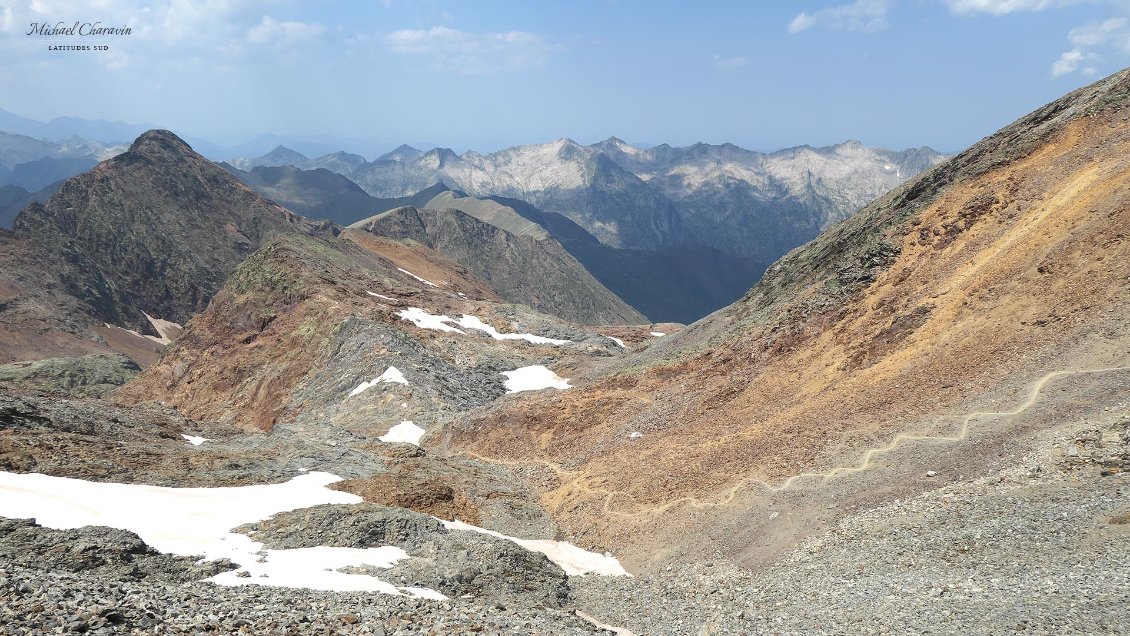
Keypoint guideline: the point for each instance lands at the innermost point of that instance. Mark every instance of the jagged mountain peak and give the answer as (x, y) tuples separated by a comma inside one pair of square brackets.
[(439, 156)]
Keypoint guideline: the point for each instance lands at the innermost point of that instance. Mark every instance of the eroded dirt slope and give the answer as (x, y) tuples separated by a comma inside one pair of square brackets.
[(966, 290)]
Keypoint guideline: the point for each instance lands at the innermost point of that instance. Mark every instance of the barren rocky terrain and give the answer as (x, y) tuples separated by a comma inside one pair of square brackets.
[(917, 423)]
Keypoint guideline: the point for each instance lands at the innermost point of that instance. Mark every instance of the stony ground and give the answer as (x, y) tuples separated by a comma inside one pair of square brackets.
[(1040, 548), (37, 602)]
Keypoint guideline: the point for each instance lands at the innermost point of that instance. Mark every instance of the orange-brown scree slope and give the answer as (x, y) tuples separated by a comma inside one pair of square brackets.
[(956, 293)]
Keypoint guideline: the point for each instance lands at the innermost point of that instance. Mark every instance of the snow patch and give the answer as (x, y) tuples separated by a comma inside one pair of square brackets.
[(421, 318), (404, 433), (617, 341), (195, 440), (575, 561), (392, 375), (658, 334), (198, 522), (635, 435), (422, 280), (424, 320), (381, 296), (471, 322), (533, 378)]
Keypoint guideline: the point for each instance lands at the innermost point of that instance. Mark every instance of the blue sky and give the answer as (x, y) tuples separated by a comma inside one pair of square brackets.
[(488, 74)]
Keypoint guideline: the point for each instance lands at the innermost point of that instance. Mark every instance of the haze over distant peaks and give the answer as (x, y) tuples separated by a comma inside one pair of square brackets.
[(743, 202)]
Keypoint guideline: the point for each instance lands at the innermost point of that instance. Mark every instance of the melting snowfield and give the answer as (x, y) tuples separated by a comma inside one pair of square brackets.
[(424, 320), (405, 433), (575, 561), (198, 522), (533, 378)]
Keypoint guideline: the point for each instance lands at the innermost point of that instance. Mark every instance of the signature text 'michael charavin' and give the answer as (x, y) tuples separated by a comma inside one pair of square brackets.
[(78, 28)]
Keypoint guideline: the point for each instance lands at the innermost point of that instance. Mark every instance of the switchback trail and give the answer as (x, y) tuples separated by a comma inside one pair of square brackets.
[(578, 477)]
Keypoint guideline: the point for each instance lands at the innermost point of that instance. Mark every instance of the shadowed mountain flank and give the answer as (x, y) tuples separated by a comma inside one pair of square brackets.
[(529, 268)]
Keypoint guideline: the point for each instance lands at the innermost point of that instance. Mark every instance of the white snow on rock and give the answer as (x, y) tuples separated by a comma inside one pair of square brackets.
[(471, 322), (575, 561), (194, 439), (381, 296), (617, 341), (404, 433), (658, 334), (316, 569), (424, 320), (422, 280), (198, 522), (635, 435), (391, 375), (533, 378), (421, 318)]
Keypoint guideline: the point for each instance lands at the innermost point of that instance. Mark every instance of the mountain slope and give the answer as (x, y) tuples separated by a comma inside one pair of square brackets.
[(316, 194), (155, 230), (525, 269), (672, 284), (956, 301)]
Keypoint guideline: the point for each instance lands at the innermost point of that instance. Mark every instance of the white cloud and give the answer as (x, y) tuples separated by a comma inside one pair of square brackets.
[(1098, 33), (729, 62), (1069, 62), (1003, 7), (862, 15), (272, 31), (471, 53), (1091, 43)]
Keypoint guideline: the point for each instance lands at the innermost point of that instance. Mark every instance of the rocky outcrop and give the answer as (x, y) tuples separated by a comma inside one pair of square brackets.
[(456, 563), (107, 552), (87, 376)]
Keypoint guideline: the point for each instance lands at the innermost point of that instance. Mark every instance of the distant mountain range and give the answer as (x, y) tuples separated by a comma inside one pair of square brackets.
[(744, 203), (678, 284), (676, 232), (32, 169)]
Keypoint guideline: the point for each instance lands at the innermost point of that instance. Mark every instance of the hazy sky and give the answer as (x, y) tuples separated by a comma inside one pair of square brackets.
[(488, 74)]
